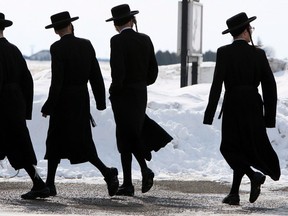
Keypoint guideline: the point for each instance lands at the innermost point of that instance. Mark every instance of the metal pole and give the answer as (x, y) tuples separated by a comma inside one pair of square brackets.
[(195, 71), (184, 32)]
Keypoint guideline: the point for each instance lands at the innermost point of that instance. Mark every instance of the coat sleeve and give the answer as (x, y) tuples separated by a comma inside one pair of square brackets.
[(25, 82), (153, 66), (269, 92), (28, 90), (117, 64), (97, 83), (216, 88), (57, 79)]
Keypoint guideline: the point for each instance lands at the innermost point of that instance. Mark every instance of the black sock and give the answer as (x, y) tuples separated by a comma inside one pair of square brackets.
[(126, 161), (52, 167), (237, 178), (38, 183), (99, 165), (141, 161), (249, 172)]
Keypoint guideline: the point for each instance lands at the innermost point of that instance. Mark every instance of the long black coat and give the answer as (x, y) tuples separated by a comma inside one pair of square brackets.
[(16, 101), (133, 68), (243, 68), (74, 63)]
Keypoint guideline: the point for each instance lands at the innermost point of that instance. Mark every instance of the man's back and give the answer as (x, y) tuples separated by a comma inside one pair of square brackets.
[(15, 79), (75, 57), (133, 54), (13, 63), (242, 64)]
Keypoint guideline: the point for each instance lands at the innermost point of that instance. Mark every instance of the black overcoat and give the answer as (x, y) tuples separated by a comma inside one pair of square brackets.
[(243, 68), (69, 135), (16, 102), (133, 68)]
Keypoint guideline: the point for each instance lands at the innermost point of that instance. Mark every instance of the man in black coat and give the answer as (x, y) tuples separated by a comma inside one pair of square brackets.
[(69, 136), (245, 144), (133, 68), (16, 102)]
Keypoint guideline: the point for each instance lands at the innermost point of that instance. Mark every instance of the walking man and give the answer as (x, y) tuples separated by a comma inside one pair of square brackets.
[(133, 68), (16, 103), (69, 135), (242, 68)]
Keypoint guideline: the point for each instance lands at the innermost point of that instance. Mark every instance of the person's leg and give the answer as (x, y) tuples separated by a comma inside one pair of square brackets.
[(147, 174), (256, 179), (233, 197), (127, 188), (237, 178), (249, 172), (39, 189), (38, 183), (141, 161), (110, 175), (99, 165), (52, 168), (50, 180), (126, 161)]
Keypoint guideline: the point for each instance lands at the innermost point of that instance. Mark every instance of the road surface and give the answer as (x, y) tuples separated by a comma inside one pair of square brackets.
[(171, 198)]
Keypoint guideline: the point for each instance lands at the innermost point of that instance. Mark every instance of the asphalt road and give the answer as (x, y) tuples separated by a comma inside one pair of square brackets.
[(177, 198)]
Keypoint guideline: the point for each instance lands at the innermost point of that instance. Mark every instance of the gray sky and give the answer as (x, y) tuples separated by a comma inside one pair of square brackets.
[(157, 18)]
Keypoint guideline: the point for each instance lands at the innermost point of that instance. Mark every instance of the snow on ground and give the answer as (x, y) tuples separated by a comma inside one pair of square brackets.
[(192, 155)]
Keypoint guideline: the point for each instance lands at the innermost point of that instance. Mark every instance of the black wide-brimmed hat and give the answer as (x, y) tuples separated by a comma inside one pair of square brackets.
[(121, 12), (3, 22), (237, 22), (60, 20)]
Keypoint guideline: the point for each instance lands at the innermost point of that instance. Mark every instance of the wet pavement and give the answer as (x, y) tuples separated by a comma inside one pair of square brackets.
[(165, 198)]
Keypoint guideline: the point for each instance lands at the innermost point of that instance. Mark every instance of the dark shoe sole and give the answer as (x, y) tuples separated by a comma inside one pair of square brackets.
[(231, 199), (125, 191), (53, 191), (34, 194)]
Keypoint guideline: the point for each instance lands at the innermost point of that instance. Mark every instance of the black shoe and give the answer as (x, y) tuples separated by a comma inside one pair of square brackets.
[(125, 190), (53, 191), (111, 178), (232, 199), (147, 180), (256, 181), (34, 194)]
